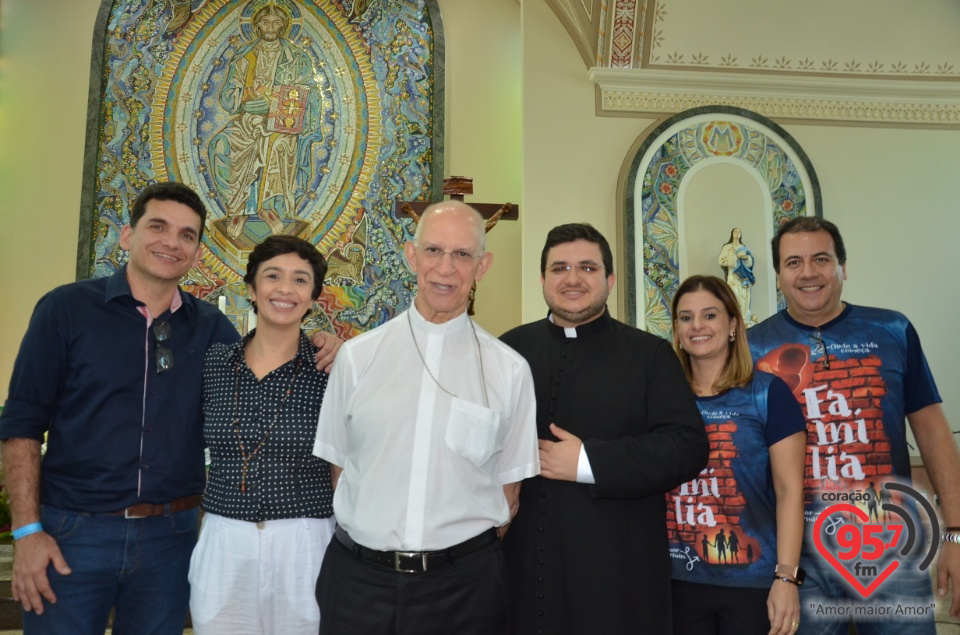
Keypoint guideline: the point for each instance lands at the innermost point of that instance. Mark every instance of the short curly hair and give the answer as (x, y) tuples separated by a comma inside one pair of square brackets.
[(274, 246)]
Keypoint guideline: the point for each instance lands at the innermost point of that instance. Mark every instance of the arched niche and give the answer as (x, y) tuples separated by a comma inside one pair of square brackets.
[(690, 181)]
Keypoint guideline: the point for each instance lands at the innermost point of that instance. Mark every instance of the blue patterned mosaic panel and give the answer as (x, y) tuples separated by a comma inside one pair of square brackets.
[(303, 117)]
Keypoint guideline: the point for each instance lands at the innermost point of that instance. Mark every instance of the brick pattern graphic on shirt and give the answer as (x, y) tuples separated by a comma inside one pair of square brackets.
[(705, 512), (847, 444)]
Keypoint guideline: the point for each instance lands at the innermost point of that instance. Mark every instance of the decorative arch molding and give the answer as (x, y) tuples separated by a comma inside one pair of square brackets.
[(584, 21), (660, 169), (896, 102)]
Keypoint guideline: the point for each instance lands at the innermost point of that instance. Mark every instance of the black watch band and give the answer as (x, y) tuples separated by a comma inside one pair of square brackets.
[(784, 578), (796, 576)]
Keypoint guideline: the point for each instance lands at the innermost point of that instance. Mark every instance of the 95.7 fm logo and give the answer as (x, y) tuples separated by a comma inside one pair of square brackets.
[(866, 553)]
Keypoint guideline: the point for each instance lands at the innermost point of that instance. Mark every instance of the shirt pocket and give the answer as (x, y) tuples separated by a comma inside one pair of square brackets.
[(472, 431)]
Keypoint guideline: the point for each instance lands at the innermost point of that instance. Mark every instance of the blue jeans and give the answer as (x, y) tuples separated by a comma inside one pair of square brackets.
[(137, 567), (824, 587)]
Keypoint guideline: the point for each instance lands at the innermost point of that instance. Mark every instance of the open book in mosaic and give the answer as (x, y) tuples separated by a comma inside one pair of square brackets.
[(305, 117)]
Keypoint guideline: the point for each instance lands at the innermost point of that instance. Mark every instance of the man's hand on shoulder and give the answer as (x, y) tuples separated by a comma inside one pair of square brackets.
[(29, 582), (327, 346), (559, 459)]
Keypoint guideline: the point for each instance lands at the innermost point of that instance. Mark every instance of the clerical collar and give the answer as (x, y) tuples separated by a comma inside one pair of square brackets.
[(567, 331), (413, 317), (583, 330)]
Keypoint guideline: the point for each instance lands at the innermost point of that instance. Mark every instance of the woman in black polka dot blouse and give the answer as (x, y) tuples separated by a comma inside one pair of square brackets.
[(268, 502)]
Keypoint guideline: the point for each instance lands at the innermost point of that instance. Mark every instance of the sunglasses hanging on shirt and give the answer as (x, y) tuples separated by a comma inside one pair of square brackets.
[(161, 333)]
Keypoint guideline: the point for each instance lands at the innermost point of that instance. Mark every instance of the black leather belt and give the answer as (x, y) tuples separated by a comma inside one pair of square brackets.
[(416, 561)]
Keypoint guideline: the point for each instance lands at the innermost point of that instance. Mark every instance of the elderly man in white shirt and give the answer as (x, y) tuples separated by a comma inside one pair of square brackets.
[(429, 424)]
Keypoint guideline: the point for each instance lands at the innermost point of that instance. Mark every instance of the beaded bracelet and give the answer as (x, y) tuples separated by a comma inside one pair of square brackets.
[(948, 536), (26, 530)]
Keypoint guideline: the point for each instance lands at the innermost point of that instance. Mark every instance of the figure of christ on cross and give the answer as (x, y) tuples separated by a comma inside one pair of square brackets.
[(456, 187)]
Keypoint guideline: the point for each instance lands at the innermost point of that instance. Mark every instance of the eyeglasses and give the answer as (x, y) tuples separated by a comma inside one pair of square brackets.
[(587, 269), (161, 333), (460, 257), (820, 349)]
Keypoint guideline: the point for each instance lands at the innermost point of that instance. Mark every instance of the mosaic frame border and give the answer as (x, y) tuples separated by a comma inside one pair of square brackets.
[(653, 274), (362, 306)]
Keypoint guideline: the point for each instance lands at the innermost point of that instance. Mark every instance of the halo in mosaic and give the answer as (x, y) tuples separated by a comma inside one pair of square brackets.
[(302, 117)]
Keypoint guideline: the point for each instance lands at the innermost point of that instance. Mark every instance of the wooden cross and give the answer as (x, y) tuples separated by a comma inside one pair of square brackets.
[(456, 187)]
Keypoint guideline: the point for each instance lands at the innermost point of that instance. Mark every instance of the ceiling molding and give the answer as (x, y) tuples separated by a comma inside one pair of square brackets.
[(808, 98), (582, 22), (821, 37)]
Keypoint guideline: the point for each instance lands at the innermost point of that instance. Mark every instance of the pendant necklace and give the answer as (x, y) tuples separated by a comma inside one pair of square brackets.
[(236, 421), (476, 338)]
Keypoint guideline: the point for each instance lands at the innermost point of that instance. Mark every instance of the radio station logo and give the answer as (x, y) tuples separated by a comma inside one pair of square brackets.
[(866, 553)]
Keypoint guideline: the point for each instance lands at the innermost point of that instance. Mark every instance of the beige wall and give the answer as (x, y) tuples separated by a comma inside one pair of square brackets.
[(571, 157), (894, 194), (44, 74), (44, 77), (892, 191), (483, 135)]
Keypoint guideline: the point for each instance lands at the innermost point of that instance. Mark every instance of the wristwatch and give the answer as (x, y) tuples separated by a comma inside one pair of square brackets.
[(794, 575)]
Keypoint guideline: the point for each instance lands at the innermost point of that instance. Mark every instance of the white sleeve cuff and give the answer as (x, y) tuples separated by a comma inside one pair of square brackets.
[(584, 471)]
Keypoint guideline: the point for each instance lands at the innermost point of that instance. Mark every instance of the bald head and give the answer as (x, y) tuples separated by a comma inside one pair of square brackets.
[(447, 255), (454, 208)]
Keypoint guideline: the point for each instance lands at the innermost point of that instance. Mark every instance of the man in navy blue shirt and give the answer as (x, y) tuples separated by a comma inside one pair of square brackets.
[(858, 372), (111, 369)]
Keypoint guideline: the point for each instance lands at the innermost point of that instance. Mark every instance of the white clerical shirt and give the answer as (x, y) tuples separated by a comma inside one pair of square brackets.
[(424, 470)]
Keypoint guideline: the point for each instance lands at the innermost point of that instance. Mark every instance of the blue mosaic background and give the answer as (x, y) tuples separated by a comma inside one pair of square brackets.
[(373, 141)]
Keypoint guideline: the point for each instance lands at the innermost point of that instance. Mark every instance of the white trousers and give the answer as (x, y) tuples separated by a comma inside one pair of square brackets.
[(257, 578)]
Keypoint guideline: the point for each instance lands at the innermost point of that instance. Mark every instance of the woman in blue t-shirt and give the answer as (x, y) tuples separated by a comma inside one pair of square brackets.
[(749, 498)]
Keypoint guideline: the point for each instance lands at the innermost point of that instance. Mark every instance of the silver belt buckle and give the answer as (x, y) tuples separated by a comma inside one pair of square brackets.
[(126, 514), (408, 554)]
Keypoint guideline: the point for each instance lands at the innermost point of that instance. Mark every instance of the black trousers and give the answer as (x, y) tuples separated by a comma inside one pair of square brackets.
[(468, 597), (708, 609)]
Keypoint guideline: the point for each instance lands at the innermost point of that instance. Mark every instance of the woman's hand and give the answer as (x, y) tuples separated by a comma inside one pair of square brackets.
[(783, 608)]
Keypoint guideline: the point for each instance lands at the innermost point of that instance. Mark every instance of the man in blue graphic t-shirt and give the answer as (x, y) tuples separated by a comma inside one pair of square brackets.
[(857, 372)]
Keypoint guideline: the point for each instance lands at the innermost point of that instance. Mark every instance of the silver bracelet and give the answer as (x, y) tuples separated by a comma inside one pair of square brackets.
[(948, 536)]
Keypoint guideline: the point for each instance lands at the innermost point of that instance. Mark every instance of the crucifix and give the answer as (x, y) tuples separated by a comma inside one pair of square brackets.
[(456, 187)]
